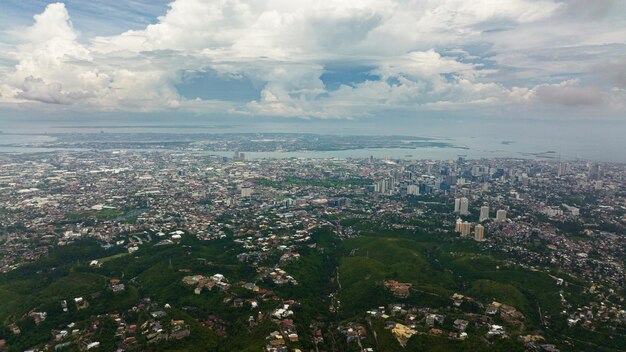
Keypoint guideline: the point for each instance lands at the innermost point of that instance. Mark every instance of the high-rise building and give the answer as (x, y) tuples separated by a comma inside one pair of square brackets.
[(413, 190), (457, 205), (466, 228), (380, 186), (238, 156), (484, 213), (385, 186), (377, 186), (562, 169), (450, 179), (464, 206), (594, 171), (501, 215), (459, 225), (479, 233)]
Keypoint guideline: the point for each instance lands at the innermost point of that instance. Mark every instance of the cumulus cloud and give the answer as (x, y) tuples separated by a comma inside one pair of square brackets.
[(37, 90), (420, 53), (568, 93), (53, 67)]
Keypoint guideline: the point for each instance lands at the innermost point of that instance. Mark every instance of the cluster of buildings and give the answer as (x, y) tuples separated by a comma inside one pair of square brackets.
[(286, 338), (465, 316), (143, 325), (464, 228), (569, 216), (200, 282), (398, 289)]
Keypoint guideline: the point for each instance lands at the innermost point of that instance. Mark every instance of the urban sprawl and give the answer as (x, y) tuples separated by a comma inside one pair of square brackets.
[(246, 230)]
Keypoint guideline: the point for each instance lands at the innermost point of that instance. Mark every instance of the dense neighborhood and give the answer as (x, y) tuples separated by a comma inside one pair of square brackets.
[(273, 218)]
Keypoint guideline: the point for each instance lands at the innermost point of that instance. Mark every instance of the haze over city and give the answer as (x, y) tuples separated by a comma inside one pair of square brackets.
[(479, 69)]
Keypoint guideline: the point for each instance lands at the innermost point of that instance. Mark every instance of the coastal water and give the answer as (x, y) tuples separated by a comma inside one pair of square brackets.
[(473, 138)]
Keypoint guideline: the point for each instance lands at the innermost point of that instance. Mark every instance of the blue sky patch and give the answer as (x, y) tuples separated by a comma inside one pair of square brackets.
[(336, 74), (209, 85)]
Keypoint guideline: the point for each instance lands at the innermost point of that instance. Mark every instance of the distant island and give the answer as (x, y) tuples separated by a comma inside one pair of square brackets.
[(247, 142)]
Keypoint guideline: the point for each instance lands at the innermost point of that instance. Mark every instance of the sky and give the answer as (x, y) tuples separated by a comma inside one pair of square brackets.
[(361, 60)]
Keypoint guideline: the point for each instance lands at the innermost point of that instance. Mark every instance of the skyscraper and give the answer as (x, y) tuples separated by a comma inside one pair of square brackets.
[(464, 206), (385, 186), (239, 156), (484, 213), (594, 171), (413, 190), (501, 215), (466, 228), (459, 225), (457, 205), (378, 187), (479, 233), (562, 169)]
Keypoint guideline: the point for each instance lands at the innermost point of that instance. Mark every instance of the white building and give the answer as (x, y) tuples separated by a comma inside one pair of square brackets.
[(501, 215), (484, 213), (413, 190)]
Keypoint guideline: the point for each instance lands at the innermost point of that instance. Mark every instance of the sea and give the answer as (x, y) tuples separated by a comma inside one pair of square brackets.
[(474, 138)]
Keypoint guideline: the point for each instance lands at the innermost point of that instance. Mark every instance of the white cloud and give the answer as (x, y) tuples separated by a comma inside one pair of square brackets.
[(568, 93), (283, 46), (55, 68)]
